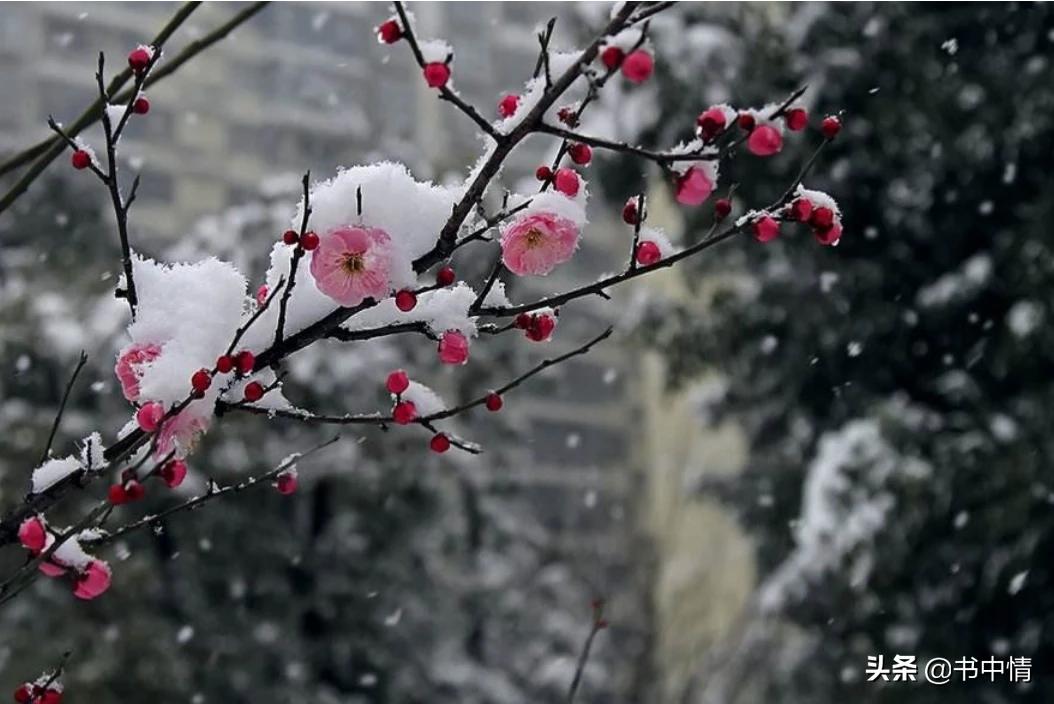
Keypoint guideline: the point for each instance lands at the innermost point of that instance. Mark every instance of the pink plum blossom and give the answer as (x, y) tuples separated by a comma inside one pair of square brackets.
[(129, 367), (765, 140), (180, 434), (353, 263), (693, 187), (536, 243), (93, 581), (261, 294), (453, 348)]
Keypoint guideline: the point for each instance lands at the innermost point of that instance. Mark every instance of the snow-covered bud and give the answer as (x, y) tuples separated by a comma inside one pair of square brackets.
[(541, 327), (801, 209), (693, 186), (446, 276), (580, 153), (453, 348), (766, 229), (141, 106), (797, 119), (254, 391), (261, 294), (80, 159), (92, 582), (245, 361), (746, 121), (440, 443), (831, 126), (611, 57), (224, 364), (149, 416), (494, 402), (405, 300), (309, 241), (567, 182), (630, 216), (638, 66), (822, 218), (201, 380), (389, 32), (722, 208), (33, 534), (139, 58), (508, 104), (828, 235), (24, 693), (404, 412), (711, 122), (647, 253), (397, 382), (436, 74)]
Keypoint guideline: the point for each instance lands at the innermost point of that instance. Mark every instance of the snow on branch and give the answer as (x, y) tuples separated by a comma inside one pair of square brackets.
[(357, 263)]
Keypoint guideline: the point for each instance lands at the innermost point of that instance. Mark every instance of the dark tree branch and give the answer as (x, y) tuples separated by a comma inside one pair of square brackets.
[(91, 113), (445, 93), (81, 361), (448, 235), (346, 335), (598, 625), (208, 496), (599, 287), (298, 253), (47, 150), (385, 420)]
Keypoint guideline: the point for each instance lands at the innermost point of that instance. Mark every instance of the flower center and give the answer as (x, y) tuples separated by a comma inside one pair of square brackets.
[(353, 263), (534, 237)]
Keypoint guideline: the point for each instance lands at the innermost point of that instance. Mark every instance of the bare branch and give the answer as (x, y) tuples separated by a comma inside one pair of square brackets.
[(208, 496), (598, 625), (47, 150), (383, 420), (81, 361), (445, 93), (298, 253)]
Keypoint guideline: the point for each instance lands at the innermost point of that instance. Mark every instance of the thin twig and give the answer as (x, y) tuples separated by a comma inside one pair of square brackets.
[(490, 168), (81, 361), (445, 93), (298, 253), (598, 625), (91, 114), (210, 495), (598, 287), (381, 419), (13, 585), (47, 150)]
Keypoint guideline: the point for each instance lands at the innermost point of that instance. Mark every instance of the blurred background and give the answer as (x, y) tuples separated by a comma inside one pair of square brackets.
[(789, 458)]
